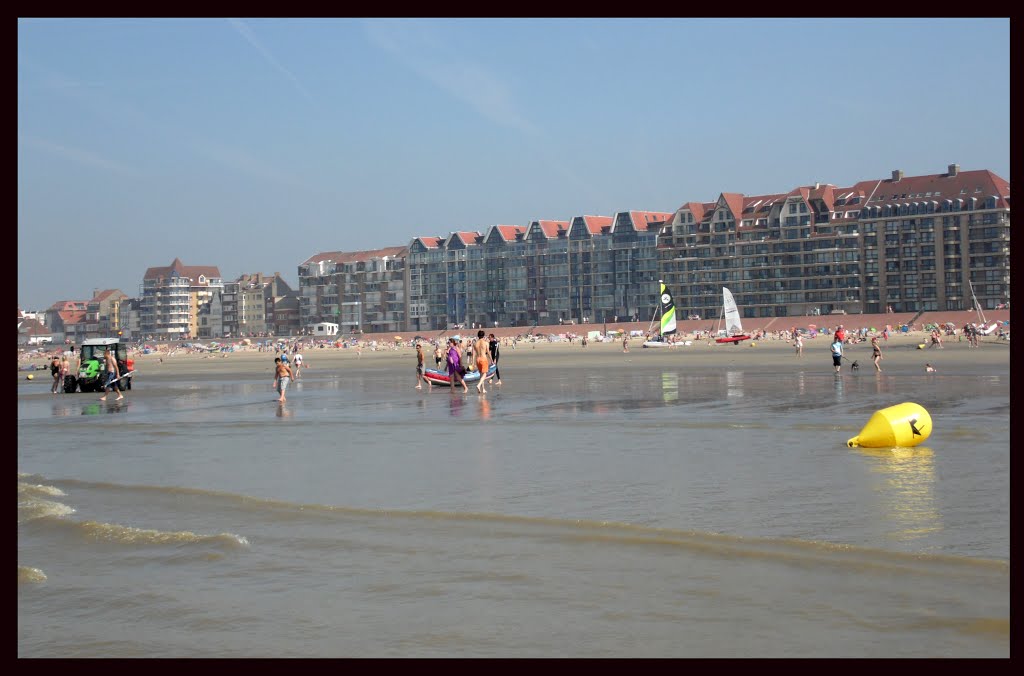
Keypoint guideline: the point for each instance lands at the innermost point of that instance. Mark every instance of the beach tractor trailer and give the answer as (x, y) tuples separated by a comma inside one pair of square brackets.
[(91, 371)]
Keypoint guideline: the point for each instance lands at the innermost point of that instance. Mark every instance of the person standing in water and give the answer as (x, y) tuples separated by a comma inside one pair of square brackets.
[(282, 375), (876, 353), (492, 344), (419, 369), (113, 375), (837, 353), (455, 366), (481, 352)]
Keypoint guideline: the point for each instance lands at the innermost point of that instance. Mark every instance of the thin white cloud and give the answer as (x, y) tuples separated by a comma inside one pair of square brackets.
[(83, 157), (247, 33), (468, 82), (241, 161)]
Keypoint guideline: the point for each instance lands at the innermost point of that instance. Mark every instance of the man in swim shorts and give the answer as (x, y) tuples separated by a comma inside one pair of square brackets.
[(282, 375), (482, 355)]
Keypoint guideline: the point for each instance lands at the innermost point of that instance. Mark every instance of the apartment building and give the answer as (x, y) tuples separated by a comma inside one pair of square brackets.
[(359, 291), (171, 297), (909, 244), (593, 268)]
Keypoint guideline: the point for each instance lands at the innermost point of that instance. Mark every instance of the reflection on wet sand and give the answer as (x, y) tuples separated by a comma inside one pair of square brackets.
[(670, 386)]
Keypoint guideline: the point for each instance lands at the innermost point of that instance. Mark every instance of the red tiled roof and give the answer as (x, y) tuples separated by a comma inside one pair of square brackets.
[(62, 305), (357, 256), (964, 185), (508, 232), (72, 316), (596, 223), (734, 201), (551, 228), (106, 293), (190, 271), (430, 242), (324, 256), (32, 327), (642, 220), (468, 238)]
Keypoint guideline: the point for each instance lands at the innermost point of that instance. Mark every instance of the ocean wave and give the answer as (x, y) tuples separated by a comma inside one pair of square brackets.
[(38, 489), (112, 532), (791, 550), (28, 574), (30, 509)]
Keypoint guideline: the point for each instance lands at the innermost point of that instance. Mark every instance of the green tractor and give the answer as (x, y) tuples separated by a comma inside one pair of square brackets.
[(91, 372)]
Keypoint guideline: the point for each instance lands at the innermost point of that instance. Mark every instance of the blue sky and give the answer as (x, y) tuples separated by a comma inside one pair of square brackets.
[(252, 144)]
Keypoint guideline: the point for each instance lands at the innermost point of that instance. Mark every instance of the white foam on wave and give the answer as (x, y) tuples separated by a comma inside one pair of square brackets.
[(30, 574)]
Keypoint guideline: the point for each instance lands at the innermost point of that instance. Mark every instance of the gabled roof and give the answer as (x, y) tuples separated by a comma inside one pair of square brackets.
[(548, 229), (734, 201), (192, 272), (595, 224), (643, 220), (32, 327), (695, 208), (356, 256), (981, 184), (105, 294), (62, 305), (467, 238), (72, 316), (506, 233), (323, 256), (430, 242)]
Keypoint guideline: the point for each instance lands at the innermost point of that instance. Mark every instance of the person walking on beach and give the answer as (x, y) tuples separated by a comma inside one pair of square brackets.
[(455, 366), (625, 343), (492, 344), (113, 375), (837, 354), (65, 369), (297, 360), (419, 369), (282, 375), (481, 353), (876, 353), (438, 356), (55, 372)]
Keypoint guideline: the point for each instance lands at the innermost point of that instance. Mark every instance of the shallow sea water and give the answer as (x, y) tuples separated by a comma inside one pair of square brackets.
[(628, 510)]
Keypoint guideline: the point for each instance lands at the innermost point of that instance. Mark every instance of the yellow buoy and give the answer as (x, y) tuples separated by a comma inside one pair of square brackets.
[(29, 376), (905, 425), (920, 346)]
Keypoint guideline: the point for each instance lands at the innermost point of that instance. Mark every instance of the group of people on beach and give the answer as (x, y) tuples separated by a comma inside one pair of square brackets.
[(479, 356)]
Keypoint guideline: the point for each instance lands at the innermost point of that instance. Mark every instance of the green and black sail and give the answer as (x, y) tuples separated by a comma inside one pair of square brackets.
[(668, 311)]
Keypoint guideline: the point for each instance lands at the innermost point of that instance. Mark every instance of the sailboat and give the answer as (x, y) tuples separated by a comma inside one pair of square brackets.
[(667, 310), (984, 328), (733, 326)]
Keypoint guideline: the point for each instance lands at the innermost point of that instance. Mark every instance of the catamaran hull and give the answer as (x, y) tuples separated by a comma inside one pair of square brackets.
[(732, 339), (436, 377), (657, 343)]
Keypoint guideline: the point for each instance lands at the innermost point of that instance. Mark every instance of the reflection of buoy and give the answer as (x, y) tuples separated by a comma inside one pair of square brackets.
[(905, 425)]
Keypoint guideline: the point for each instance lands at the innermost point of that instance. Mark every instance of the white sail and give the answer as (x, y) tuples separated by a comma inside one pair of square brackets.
[(732, 315)]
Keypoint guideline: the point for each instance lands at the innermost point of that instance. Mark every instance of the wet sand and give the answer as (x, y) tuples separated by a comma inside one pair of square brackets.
[(900, 355)]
